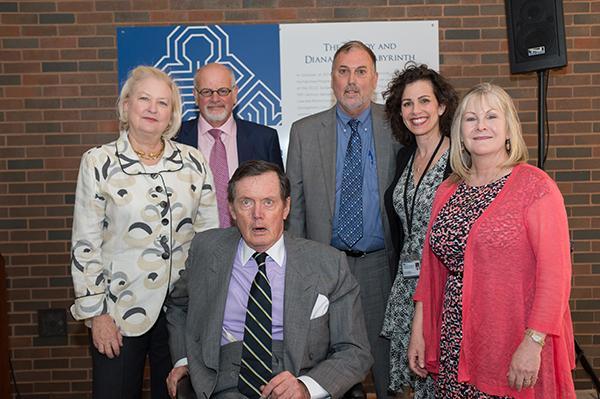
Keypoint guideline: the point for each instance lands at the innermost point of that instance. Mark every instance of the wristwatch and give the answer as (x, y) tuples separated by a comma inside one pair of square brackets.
[(536, 337)]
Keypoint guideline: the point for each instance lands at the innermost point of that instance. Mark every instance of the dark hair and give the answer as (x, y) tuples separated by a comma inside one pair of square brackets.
[(443, 90), (257, 168), (344, 48)]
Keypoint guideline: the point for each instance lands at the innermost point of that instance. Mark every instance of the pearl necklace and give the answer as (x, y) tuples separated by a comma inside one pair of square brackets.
[(151, 156)]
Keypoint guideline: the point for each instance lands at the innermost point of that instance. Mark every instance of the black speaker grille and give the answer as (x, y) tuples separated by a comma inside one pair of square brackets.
[(536, 36)]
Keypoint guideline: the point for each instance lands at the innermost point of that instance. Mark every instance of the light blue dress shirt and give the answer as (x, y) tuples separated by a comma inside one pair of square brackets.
[(372, 239)]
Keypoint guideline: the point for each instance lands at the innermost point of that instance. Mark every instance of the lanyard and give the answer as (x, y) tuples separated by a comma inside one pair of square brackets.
[(409, 216)]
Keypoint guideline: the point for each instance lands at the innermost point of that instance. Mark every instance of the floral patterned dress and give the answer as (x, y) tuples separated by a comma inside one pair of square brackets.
[(400, 307), (448, 239)]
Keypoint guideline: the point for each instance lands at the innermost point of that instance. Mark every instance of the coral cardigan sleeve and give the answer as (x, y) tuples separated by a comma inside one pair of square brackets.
[(430, 288), (548, 232)]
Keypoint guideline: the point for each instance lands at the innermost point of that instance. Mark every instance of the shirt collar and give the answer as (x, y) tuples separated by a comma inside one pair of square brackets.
[(226, 128), (276, 252), (363, 117), (130, 163)]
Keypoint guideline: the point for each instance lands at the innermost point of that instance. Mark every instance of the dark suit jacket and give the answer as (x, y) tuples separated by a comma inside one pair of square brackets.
[(254, 141), (332, 349), (395, 224)]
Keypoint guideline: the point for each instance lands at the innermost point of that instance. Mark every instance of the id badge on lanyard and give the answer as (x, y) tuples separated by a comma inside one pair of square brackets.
[(411, 269)]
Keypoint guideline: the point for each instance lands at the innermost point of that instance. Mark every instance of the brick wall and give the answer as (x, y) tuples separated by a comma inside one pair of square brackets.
[(58, 87)]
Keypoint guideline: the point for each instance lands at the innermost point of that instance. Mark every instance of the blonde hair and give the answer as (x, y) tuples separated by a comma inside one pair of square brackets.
[(134, 77), (497, 97)]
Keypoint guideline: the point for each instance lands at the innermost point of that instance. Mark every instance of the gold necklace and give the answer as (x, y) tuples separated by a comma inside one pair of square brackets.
[(151, 156)]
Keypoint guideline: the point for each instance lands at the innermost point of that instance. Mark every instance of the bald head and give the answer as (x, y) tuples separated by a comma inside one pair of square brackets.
[(215, 109)]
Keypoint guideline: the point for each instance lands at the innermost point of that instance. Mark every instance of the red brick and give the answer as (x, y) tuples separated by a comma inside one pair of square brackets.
[(41, 79), (6, 31), (77, 30), (23, 67), (95, 18), (10, 55), (58, 42), (18, 19), (22, 92), (61, 91)]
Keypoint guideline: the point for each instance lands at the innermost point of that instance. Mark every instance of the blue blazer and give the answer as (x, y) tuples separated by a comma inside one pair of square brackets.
[(254, 141)]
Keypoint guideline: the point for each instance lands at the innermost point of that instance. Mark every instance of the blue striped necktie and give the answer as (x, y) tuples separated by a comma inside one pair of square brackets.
[(256, 366), (350, 217)]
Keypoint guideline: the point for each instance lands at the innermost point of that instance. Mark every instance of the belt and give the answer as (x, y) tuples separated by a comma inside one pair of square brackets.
[(357, 254)]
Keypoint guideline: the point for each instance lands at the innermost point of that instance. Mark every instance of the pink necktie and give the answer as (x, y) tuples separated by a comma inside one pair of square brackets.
[(218, 166)]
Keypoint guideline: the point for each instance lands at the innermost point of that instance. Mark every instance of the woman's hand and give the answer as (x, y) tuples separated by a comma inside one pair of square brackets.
[(106, 336), (525, 364), (416, 347), (416, 354)]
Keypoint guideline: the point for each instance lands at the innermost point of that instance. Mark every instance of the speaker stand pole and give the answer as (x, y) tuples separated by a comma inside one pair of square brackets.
[(580, 356), (541, 117)]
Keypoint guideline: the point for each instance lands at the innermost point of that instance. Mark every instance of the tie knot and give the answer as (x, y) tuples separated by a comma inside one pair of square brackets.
[(353, 123), (216, 133), (260, 258)]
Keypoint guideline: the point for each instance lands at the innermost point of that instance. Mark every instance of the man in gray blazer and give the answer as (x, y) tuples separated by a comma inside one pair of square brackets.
[(318, 164), (318, 336)]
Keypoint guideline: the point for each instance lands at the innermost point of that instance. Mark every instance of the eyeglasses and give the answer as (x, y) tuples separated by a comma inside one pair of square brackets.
[(221, 91)]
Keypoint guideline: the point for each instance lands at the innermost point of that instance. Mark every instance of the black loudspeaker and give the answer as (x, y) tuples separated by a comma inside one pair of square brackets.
[(536, 35)]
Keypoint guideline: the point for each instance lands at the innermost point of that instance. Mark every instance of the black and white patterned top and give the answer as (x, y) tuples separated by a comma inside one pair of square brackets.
[(400, 308), (132, 228)]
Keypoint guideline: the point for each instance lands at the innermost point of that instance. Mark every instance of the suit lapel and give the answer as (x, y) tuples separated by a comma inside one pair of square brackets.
[(327, 136), (217, 286), (384, 152), (300, 286), (189, 133), (244, 142)]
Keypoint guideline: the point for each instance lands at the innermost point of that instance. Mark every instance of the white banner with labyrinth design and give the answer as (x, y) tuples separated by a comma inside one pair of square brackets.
[(282, 71)]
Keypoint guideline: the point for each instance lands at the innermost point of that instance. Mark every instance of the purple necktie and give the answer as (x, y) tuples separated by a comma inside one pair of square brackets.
[(218, 166)]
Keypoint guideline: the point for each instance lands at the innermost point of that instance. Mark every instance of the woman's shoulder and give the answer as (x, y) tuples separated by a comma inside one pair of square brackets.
[(186, 150), (533, 181), (101, 151), (531, 175)]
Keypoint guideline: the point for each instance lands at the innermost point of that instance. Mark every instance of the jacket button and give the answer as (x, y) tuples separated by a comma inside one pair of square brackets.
[(163, 204), (154, 175), (310, 355), (159, 189), (165, 222), (165, 255)]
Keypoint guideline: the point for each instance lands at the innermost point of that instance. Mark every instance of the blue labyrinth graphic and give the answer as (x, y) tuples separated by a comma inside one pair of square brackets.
[(252, 52)]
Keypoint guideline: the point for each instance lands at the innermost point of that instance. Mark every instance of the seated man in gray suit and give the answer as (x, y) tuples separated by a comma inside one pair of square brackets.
[(260, 313)]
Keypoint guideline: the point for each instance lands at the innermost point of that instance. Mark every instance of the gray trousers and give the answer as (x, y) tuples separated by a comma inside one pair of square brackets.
[(229, 369), (373, 275)]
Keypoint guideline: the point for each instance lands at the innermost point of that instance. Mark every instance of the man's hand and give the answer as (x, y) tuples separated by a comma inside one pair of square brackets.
[(176, 374), (106, 336), (525, 364), (285, 386)]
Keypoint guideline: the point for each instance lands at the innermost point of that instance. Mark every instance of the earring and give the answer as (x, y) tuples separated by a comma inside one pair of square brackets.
[(507, 145), (462, 147)]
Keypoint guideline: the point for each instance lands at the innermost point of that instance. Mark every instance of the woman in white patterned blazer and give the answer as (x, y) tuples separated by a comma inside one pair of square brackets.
[(139, 202)]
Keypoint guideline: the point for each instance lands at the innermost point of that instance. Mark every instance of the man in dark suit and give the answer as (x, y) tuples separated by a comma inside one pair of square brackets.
[(224, 140), (340, 162), (316, 344)]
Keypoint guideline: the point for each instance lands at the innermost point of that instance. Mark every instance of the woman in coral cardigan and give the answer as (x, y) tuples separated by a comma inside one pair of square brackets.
[(492, 315)]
